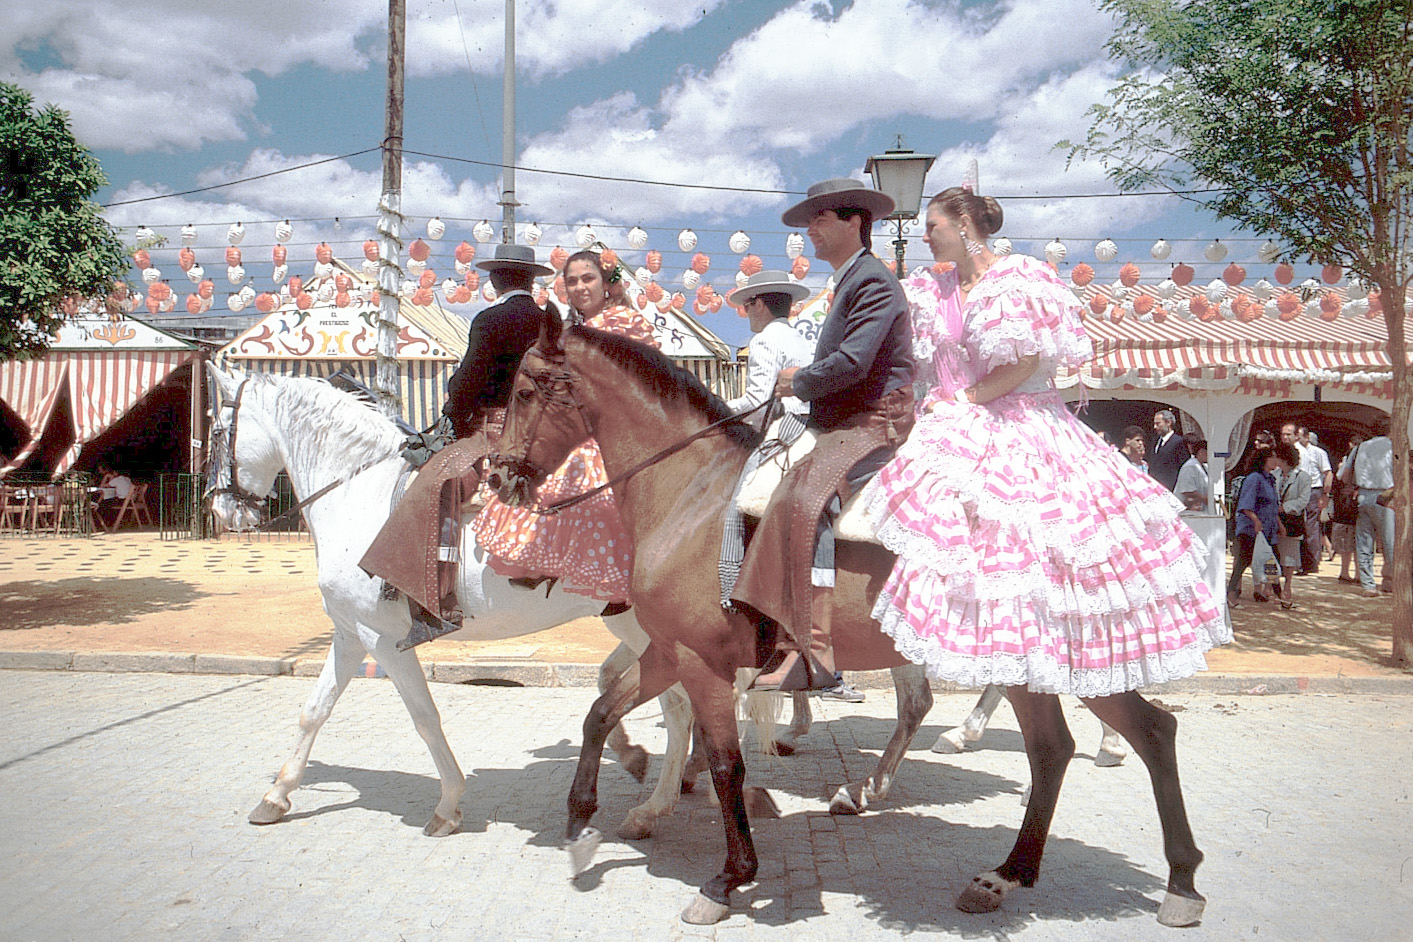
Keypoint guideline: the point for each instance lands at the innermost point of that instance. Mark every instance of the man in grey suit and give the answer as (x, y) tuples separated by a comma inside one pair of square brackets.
[(859, 389), (1169, 452)]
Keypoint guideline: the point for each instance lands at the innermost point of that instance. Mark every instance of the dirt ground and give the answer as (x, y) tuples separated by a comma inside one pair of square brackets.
[(132, 592)]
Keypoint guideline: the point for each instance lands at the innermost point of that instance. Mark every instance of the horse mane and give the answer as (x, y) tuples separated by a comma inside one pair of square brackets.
[(325, 417), (666, 380)]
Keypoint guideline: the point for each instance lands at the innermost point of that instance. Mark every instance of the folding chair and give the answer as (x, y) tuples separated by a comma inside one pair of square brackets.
[(45, 504), (136, 503), (14, 508)]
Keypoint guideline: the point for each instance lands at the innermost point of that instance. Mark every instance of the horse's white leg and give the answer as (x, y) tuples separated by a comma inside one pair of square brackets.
[(634, 758), (345, 654), (972, 728), (404, 670), (800, 721), (1112, 748), (677, 714)]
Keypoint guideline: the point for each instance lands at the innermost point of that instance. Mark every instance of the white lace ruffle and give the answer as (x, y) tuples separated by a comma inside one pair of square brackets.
[(1021, 309)]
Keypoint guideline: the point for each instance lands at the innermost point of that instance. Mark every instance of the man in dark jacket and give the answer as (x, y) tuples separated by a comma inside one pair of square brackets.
[(859, 389), (1169, 451), (418, 550)]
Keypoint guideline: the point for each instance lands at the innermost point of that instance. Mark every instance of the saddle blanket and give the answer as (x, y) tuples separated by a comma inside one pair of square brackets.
[(855, 523)]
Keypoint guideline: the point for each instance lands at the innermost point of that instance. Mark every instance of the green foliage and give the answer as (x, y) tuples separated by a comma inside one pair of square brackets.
[(1298, 109), (54, 245)]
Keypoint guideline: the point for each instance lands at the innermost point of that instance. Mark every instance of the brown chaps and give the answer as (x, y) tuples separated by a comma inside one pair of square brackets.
[(775, 575), (417, 550)]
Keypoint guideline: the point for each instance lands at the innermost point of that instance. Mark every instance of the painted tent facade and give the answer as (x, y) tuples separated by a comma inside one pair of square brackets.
[(97, 371), (337, 332)]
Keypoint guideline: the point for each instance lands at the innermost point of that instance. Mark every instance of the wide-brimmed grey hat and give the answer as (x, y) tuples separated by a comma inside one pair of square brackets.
[(767, 282), (518, 257), (839, 193)]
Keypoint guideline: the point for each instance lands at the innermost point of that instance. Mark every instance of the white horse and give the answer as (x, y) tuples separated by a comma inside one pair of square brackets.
[(322, 436)]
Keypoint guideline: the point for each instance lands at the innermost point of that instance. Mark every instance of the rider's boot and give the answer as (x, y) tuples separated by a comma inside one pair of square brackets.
[(814, 670)]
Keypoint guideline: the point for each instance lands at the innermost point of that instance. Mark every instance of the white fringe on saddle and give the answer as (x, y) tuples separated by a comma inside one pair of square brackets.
[(855, 524)]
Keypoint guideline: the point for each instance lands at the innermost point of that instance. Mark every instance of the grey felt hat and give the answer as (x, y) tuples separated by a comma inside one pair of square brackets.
[(767, 282), (518, 257), (839, 193)]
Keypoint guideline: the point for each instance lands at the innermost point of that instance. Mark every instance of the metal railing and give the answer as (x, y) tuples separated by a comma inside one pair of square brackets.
[(35, 505)]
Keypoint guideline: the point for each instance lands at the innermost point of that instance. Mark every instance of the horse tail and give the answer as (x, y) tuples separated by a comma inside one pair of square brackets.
[(761, 709)]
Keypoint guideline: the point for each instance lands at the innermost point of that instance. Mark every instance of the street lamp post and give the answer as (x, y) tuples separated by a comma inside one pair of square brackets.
[(900, 173)]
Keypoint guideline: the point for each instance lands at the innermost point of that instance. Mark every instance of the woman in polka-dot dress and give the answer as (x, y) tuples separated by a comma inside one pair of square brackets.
[(585, 546)]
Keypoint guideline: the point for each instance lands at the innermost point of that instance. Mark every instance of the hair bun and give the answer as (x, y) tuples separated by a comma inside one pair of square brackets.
[(993, 215)]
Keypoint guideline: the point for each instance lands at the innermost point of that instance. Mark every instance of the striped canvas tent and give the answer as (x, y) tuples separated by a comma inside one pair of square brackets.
[(96, 371), (327, 338)]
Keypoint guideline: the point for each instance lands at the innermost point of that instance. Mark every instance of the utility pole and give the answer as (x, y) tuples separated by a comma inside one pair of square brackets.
[(507, 130), (387, 380)]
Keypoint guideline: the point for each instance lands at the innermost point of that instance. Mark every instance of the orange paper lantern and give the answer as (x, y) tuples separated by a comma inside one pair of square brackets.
[(701, 262), (193, 304), (265, 302), (142, 259), (427, 279), (186, 258), (370, 250), (1199, 307), (1182, 274), (1142, 304), (304, 300), (751, 265), (1285, 273), (1082, 274), (473, 281), (422, 297), (1098, 304), (1160, 313), (1129, 275), (1288, 306), (323, 254), (342, 299), (296, 284), (608, 259), (418, 250), (232, 256), (653, 292), (205, 289), (1234, 274), (557, 259), (1329, 306), (465, 252), (279, 254), (800, 268), (654, 261), (1331, 274)]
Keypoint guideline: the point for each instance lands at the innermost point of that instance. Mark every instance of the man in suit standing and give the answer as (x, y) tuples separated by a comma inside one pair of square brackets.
[(859, 389), (418, 549), (1169, 451)]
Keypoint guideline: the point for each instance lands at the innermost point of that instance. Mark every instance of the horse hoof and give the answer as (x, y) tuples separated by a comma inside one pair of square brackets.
[(985, 893), (1180, 911), (582, 850), (759, 804), (1107, 760), (844, 801), (635, 762), (950, 743), (705, 912), (635, 828), (267, 812), (441, 827)]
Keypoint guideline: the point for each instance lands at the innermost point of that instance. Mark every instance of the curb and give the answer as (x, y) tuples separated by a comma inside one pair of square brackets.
[(538, 674)]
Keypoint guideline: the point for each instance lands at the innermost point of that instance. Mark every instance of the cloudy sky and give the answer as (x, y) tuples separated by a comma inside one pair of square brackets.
[(760, 96)]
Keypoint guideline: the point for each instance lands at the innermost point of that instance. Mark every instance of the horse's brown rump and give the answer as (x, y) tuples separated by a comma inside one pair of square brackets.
[(859, 643)]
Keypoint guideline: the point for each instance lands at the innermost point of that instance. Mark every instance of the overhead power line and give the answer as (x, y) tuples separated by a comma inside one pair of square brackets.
[(258, 176)]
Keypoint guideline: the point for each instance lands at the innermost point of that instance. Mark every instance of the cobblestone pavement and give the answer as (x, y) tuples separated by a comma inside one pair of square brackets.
[(126, 796)]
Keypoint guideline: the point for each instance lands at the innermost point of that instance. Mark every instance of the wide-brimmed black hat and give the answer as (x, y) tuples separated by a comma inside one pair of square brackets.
[(839, 193), (767, 282), (517, 257)]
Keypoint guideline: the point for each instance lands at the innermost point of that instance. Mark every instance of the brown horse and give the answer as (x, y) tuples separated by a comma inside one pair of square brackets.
[(644, 413)]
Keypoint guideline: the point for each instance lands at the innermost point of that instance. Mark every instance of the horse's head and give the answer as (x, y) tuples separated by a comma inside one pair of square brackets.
[(543, 423), (243, 458)]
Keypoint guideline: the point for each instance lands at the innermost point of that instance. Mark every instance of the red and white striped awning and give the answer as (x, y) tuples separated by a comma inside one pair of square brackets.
[(102, 387)]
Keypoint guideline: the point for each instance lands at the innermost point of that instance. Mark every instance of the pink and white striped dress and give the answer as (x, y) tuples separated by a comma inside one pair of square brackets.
[(1029, 552)]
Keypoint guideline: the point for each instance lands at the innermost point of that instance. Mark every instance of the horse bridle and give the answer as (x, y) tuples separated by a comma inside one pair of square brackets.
[(545, 382), (251, 501)]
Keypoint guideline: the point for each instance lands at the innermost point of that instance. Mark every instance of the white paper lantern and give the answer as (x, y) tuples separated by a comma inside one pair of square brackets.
[(326, 292), (1312, 308), (643, 277), (741, 279), (365, 292), (586, 236), (1262, 289), (235, 274), (686, 240), (1216, 290), (1078, 291), (1311, 284), (690, 279), (794, 245), (1119, 291), (1356, 285), (533, 234), (637, 238), (1106, 251), (235, 235), (1002, 247), (461, 267), (1161, 249), (1268, 252), (1225, 310), (739, 242), (1215, 251), (1271, 309), (407, 288), (188, 234), (1355, 308), (435, 228), (285, 296), (323, 269), (1183, 309), (283, 231), (415, 267), (196, 273), (235, 301), (151, 275), (370, 267), (488, 291), (449, 287), (1166, 289), (144, 234), (482, 231), (1055, 252)]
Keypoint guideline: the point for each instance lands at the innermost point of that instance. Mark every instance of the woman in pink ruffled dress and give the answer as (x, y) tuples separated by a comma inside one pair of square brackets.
[(1030, 554)]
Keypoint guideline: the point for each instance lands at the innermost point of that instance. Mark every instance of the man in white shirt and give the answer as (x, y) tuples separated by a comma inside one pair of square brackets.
[(766, 298), (1194, 487), (1370, 468), (1315, 462)]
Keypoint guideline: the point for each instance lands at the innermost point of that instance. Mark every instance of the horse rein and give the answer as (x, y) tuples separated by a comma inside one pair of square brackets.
[(542, 380)]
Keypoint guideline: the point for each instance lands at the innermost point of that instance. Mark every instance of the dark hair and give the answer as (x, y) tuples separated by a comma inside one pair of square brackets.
[(1133, 431), (983, 211), (1194, 443), (865, 227), (777, 302), (612, 280), (1287, 453), (511, 279)]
